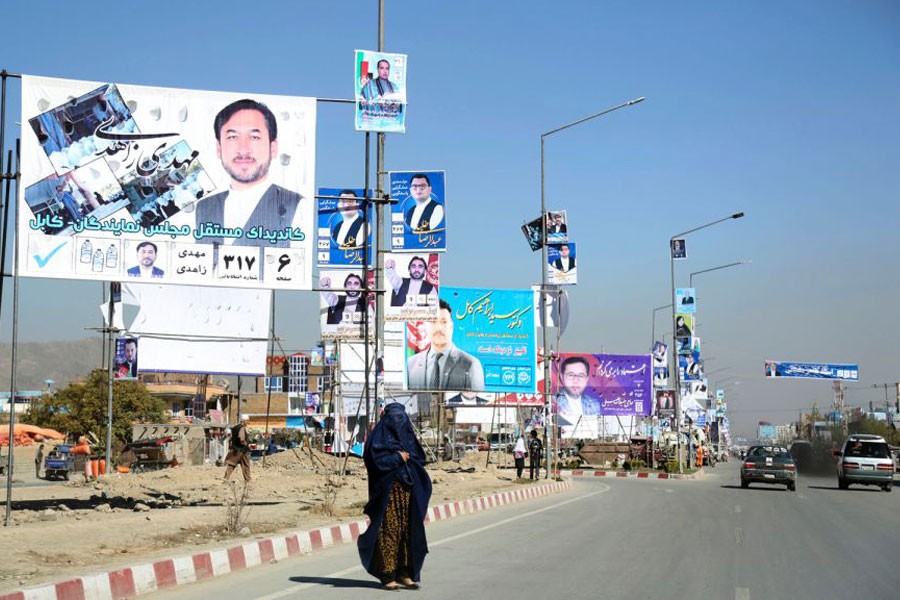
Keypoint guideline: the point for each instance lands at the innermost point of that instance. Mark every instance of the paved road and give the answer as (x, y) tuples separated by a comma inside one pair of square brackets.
[(628, 538)]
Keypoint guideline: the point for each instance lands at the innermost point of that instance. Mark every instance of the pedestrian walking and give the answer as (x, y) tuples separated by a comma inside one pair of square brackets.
[(239, 454), (519, 454), (535, 450), (393, 548)]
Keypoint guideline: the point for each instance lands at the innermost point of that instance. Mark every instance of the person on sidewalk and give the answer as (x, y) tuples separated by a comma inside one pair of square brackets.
[(38, 461), (239, 454), (394, 546), (535, 450), (519, 454)]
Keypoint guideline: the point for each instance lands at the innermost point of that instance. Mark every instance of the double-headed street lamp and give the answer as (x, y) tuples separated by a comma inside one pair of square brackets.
[(546, 353), (675, 327)]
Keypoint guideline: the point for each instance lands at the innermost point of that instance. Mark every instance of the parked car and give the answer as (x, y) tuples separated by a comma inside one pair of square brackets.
[(769, 464), (865, 459)]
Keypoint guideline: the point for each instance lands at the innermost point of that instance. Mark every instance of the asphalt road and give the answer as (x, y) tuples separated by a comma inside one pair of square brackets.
[(629, 538)]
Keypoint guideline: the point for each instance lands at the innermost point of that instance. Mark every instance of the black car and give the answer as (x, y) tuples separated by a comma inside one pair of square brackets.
[(769, 464)]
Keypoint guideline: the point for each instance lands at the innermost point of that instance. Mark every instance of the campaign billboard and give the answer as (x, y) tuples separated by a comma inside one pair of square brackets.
[(601, 385), (178, 186), (380, 91), (418, 218), (342, 234), (483, 340), (802, 370)]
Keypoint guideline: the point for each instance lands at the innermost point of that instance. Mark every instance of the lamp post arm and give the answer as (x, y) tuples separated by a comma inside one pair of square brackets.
[(734, 264), (594, 116), (734, 216)]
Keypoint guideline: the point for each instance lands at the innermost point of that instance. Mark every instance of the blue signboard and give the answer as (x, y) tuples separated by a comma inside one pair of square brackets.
[(341, 231), (775, 368), (418, 221), (483, 340)]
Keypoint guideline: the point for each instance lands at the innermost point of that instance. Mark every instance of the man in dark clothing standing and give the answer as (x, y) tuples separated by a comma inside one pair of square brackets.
[(240, 451), (535, 450)]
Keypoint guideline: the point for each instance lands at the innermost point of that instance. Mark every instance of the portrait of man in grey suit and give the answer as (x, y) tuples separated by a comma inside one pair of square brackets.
[(443, 366), (246, 141)]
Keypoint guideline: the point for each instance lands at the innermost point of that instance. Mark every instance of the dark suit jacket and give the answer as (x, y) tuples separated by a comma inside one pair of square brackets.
[(558, 263), (274, 212), (461, 371), (136, 272)]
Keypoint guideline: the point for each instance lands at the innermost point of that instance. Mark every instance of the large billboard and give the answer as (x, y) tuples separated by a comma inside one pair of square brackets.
[(483, 341), (178, 186), (777, 368), (587, 385)]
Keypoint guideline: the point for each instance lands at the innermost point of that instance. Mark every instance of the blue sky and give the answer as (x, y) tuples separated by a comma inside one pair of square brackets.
[(786, 111)]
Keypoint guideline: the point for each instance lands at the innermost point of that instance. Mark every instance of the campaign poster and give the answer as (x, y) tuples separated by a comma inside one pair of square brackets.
[(342, 233), (689, 366), (665, 404), (679, 249), (561, 267), (418, 220), (482, 341), (343, 308), (414, 281), (602, 384), (684, 326), (380, 91), (802, 370), (684, 301), (660, 361), (126, 359), (557, 227), (178, 186), (490, 400), (534, 234)]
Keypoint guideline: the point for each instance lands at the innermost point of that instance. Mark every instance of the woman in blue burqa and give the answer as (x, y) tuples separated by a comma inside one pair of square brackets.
[(393, 548)]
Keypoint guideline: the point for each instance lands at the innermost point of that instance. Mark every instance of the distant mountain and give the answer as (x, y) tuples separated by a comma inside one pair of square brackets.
[(61, 361)]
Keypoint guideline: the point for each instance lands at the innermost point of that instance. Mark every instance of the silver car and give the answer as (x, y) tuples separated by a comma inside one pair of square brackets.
[(865, 459)]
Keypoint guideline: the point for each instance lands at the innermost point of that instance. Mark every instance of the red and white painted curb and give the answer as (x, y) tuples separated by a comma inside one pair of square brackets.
[(130, 582), (627, 474)]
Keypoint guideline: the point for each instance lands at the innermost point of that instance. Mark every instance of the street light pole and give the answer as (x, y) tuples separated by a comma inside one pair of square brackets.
[(675, 328), (548, 406)]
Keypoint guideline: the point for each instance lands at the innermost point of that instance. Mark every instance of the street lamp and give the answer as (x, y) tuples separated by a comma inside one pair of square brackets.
[(734, 264), (674, 326), (653, 327), (546, 354)]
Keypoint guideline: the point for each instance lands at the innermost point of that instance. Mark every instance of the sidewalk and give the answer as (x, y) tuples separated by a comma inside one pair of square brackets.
[(130, 582)]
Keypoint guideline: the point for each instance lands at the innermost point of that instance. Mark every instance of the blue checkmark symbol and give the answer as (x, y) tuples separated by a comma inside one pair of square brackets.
[(42, 262)]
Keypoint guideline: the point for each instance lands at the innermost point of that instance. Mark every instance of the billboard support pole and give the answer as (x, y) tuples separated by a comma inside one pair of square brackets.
[(110, 344), (376, 238)]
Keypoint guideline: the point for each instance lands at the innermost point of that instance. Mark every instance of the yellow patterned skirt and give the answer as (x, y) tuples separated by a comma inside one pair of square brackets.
[(392, 556)]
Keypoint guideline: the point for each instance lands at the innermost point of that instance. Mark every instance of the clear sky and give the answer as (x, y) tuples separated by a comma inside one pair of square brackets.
[(787, 111)]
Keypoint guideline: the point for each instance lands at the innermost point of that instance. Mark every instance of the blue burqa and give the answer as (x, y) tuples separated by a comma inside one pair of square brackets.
[(384, 466)]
